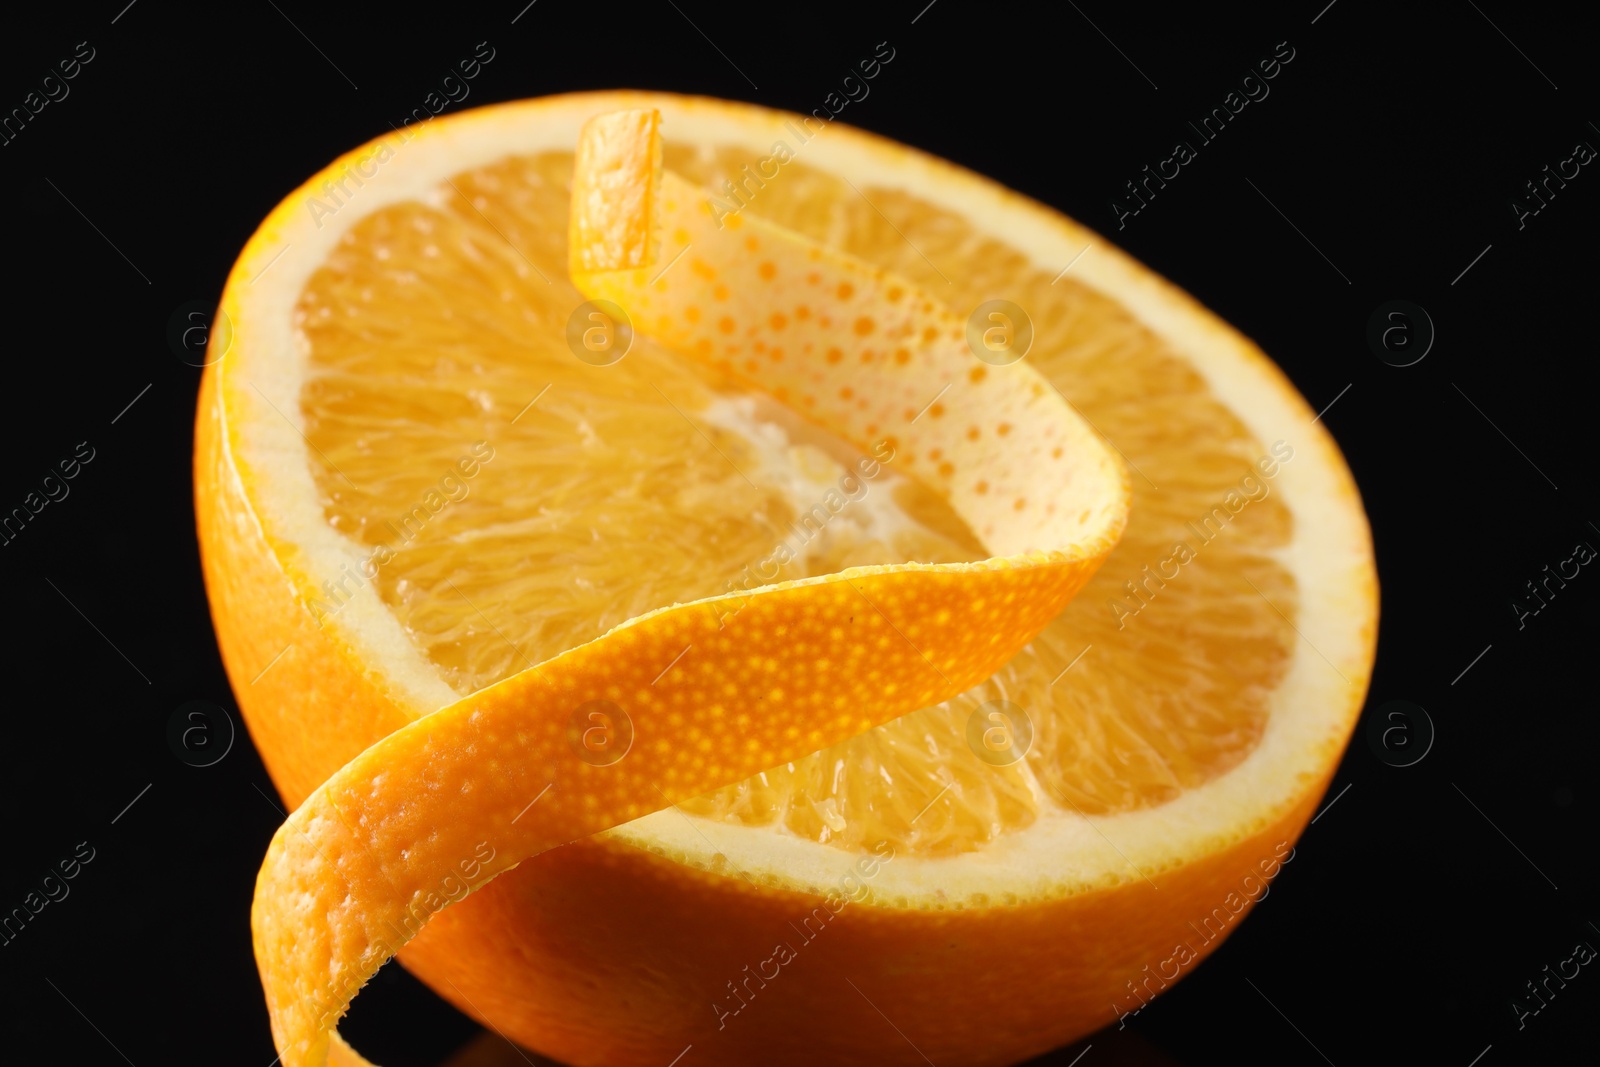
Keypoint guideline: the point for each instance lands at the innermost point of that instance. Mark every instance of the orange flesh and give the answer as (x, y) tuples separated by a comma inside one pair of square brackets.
[(630, 487)]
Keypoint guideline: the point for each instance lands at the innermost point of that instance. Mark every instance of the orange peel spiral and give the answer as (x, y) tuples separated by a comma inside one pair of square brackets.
[(716, 690)]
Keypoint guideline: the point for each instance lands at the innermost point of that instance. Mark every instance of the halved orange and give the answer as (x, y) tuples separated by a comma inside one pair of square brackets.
[(900, 895)]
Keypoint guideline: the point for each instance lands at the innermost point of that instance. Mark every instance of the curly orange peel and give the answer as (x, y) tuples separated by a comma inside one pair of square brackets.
[(719, 689)]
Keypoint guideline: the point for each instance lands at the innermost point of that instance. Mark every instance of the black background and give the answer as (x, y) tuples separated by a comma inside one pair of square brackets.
[(1394, 142)]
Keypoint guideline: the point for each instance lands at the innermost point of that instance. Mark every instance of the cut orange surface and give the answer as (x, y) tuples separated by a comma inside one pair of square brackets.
[(412, 488)]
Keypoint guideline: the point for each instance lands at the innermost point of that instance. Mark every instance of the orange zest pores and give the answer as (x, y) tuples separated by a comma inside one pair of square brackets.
[(718, 689)]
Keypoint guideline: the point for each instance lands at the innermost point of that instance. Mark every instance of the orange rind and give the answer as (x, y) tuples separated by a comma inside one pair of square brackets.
[(778, 671)]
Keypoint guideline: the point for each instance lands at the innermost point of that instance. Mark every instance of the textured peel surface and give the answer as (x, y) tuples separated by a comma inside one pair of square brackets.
[(719, 689)]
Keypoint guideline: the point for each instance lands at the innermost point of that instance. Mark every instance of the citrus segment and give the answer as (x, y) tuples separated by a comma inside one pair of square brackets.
[(515, 527), (463, 296)]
